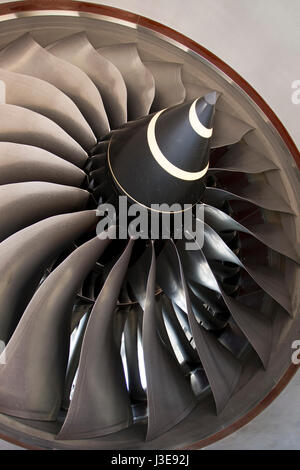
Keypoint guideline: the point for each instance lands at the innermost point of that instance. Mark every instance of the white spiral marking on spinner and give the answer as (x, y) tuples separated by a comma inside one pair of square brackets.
[(163, 161)]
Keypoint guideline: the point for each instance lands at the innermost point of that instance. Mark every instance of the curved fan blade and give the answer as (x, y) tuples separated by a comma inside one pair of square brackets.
[(163, 372), (66, 77), (44, 98), (74, 359), (215, 248), (20, 163), (131, 348), (221, 367), (187, 351), (228, 130), (197, 269), (268, 278), (242, 158), (273, 282), (32, 379), (168, 278), (255, 325), (138, 79), (100, 404), (262, 195), (79, 51), (272, 235), (22, 204), (25, 255), (169, 89), (20, 125)]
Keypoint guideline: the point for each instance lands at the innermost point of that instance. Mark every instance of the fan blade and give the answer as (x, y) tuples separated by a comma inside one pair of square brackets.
[(196, 266), (168, 278), (187, 351), (100, 403), (268, 278), (74, 359), (242, 158), (214, 248), (255, 325), (77, 50), (32, 379), (138, 79), (271, 235), (257, 193), (20, 125), (20, 163), (43, 98), (163, 372), (25, 255), (22, 204), (273, 282), (136, 390), (221, 367), (66, 77), (228, 130), (169, 89)]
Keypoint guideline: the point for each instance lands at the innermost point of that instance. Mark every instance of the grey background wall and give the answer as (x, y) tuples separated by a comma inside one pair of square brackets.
[(260, 39)]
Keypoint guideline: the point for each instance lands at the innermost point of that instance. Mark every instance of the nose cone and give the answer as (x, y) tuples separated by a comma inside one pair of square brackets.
[(163, 158)]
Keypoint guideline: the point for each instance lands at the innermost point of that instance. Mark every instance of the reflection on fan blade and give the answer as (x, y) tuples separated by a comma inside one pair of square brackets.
[(169, 280), (272, 235), (138, 79), (43, 98), (187, 351), (214, 248), (168, 277), (25, 255), (81, 306), (120, 321), (77, 50), (161, 327), (137, 277), (100, 403), (169, 89), (262, 195), (22, 204), (222, 271), (242, 158), (197, 269), (66, 77), (74, 359), (170, 398), (23, 126), (136, 391), (221, 367), (20, 163), (273, 282), (255, 325), (32, 379)]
